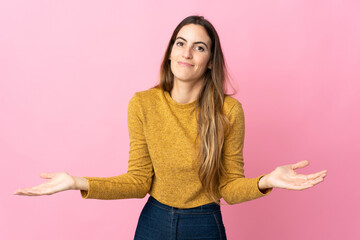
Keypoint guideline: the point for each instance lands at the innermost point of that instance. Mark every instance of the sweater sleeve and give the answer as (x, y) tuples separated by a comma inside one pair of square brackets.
[(136, 183), (233, 186)]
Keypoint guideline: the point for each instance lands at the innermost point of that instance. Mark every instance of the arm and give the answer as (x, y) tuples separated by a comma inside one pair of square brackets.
[(233, 186), (136, 183), (133, 184)]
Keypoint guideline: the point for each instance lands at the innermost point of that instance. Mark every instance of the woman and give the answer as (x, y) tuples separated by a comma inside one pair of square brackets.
[(186, 145)]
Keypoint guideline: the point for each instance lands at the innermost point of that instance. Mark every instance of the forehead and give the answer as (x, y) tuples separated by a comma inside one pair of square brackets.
[(194, 33)]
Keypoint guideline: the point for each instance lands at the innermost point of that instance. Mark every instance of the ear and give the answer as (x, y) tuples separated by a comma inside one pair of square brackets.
[(209, 65)]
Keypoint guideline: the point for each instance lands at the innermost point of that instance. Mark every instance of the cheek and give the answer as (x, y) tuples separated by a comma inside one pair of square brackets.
[(203, 63), (199, 70), (172, 53), (171, 65), (170, 57)]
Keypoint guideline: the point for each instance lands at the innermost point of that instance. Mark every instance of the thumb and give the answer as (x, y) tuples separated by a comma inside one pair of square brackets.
[(300, 164), (47, 175)]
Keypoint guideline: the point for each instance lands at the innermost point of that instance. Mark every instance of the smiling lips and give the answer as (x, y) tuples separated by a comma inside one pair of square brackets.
[(185, 64)]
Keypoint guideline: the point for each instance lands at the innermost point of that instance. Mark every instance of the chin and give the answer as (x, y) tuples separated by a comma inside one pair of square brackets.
[(185, 79)]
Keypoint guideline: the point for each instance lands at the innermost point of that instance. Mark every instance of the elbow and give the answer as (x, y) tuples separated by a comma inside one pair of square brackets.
[(228, 197), (232, 200), (141, 195), (228, 200), (145, 189)]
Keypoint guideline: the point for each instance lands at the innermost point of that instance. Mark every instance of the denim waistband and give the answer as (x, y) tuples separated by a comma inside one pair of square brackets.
[(207, 208)]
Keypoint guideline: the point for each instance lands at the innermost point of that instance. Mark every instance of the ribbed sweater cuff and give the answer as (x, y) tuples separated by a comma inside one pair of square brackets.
[(86, 194), (265, 191)]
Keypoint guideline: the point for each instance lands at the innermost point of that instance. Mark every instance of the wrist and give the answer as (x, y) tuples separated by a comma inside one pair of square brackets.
[(80, 183), (263, 182)]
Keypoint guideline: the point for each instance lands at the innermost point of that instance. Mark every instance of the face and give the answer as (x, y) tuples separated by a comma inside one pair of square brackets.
[(190, 53)]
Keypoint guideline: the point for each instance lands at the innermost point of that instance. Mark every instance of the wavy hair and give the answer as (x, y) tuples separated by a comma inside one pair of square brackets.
[(212, 123)]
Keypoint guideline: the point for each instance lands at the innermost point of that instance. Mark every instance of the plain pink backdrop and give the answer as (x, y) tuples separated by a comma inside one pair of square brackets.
[(69, 68)]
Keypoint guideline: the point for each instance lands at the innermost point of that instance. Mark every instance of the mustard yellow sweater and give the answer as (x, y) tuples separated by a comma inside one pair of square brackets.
[(163, 152)]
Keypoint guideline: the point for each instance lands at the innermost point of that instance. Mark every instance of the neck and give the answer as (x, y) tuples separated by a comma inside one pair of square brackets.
[(186, 92)]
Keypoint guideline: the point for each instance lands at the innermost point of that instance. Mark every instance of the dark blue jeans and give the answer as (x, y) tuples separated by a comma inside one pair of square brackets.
[(158, 221)]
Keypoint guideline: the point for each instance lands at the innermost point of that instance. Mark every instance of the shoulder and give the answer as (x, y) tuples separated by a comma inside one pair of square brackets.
[(149, 93), (232, 106), (234, 112), (146, 97)]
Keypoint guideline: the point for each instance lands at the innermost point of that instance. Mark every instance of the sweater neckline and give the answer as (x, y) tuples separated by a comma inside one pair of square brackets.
[(176, 104)]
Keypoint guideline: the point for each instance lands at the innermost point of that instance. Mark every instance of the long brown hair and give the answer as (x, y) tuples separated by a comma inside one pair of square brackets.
[(212, 123)]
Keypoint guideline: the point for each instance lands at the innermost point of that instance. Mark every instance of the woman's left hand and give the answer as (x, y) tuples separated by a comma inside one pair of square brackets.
[(286, 177)]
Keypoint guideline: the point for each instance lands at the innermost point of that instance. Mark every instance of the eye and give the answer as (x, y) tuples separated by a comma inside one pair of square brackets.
[(201, 49), (179, 43)]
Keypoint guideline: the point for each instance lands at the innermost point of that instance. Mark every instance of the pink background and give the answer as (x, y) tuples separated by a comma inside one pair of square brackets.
[(69, 68)]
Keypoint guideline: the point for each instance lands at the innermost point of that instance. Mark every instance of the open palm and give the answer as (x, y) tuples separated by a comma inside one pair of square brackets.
[(59, 182), (286, 177)]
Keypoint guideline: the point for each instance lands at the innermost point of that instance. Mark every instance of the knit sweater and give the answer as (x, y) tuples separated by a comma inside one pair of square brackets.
[(163, 153)]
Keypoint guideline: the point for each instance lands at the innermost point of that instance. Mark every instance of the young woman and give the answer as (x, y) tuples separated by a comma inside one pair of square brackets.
[(186, 147)]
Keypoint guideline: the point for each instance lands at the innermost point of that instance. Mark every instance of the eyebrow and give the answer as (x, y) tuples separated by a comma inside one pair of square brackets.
[(194, 42)]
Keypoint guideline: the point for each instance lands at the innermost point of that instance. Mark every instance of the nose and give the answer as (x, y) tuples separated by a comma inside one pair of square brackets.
[(187, 53)]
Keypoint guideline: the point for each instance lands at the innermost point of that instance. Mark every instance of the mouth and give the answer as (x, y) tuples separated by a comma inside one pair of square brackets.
[(185, 64)]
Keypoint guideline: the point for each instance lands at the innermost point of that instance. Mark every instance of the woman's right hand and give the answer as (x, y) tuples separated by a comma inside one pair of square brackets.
[(61, 181)]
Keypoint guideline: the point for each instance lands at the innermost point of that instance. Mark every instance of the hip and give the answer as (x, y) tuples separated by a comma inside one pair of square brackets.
[(160, 221)]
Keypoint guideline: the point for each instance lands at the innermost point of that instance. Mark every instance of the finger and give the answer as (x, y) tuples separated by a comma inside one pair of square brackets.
[(312, 182), (300, 164), (23, 192), (17, 192), (315, 175), (318, 181), (299, 187), (304, 185), (20, 193), (31, 192), (32, 189), (42, 189)]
